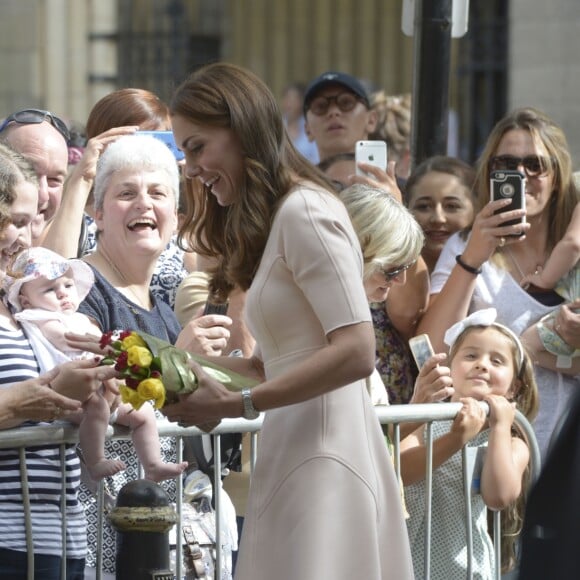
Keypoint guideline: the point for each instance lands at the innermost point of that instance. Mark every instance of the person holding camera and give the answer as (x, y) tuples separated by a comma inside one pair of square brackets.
[(484, 265)]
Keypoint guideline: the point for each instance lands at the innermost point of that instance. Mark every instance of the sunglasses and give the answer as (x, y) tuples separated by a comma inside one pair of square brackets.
[(344, 101), (533, 165), (390, 275), (35, 117)]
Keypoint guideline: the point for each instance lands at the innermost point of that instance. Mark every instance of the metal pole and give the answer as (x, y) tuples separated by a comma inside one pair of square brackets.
[(432, 55)]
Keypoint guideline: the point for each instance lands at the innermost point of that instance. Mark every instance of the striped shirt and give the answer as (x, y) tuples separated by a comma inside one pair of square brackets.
[(43, 467)]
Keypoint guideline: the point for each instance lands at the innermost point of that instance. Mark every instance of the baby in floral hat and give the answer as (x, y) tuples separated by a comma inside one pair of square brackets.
[(44, 290)]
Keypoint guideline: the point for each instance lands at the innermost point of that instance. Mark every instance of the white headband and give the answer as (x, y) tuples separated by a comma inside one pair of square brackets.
[(485, 317)]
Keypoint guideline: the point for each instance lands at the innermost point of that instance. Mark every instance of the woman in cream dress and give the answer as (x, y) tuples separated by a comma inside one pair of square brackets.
[(324, 500)]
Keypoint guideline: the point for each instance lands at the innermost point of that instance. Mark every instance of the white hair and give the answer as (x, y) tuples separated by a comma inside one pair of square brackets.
[(139, 152)]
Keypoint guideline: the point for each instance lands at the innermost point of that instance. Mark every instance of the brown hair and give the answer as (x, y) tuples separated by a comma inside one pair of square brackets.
[(223, 95), (14, 169), (128, 107), (393, 123), (546, 133), (442, 164)]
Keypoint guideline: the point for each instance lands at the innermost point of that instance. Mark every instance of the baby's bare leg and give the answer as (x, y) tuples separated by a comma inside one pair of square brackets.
[(143, 426), (92, 431)]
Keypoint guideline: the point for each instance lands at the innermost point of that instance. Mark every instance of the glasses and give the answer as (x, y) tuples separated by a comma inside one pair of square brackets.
[(344, 101), (390, 275), (35, 117), (533, 165)]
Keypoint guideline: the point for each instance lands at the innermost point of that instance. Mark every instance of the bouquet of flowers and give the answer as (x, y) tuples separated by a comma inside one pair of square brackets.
[(155, 370)]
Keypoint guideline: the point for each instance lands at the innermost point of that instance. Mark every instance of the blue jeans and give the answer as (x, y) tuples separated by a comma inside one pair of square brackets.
[(14, 566)]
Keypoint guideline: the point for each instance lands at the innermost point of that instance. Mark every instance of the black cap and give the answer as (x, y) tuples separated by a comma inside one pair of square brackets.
[(335, 78)]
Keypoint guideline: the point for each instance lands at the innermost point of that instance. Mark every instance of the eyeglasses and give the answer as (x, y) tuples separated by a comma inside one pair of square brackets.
[(533, 165), (390, 275), (344, 101), (35, 117)]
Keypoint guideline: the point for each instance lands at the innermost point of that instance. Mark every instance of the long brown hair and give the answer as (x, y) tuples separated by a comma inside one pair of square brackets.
[(548, 134), (223, 95)]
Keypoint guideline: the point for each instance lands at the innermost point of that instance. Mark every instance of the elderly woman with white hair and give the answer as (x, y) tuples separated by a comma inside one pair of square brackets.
[(135, 198)]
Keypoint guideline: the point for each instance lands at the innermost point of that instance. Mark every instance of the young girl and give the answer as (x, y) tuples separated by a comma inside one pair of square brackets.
[(45, 291), (562, 273), (487, 363)]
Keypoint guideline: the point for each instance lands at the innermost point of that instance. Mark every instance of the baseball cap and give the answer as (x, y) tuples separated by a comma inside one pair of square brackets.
[(335, 78)]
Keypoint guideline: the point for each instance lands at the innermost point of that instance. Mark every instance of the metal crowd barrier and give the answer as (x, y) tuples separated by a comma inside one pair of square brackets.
[(62, 433)]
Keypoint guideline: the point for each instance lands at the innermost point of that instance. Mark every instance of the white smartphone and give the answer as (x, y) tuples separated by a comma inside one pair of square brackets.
[(372, 152), (421, 349)]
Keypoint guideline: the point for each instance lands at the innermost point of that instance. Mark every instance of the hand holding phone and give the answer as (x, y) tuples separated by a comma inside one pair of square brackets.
[(511, 185), (421, 349), (371, 152), (211, 308)]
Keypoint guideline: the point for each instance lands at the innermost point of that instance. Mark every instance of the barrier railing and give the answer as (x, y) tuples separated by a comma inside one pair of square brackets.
[(62, 433)]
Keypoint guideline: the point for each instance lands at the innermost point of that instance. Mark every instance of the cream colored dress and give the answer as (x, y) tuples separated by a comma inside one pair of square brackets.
[(324, 502)]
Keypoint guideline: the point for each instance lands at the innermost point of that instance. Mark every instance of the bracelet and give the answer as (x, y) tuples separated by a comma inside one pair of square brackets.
[(467, 267)]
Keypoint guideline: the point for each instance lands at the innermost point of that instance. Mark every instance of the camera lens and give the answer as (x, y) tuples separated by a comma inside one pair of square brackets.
[(507, 190)]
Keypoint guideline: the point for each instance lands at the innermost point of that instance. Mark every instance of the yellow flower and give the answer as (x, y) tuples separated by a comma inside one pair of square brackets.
[(131, 396), (152, 389), (133, 340), (140, 356)]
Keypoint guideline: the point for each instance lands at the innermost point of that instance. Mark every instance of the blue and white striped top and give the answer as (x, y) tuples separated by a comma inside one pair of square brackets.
[(43, 464)]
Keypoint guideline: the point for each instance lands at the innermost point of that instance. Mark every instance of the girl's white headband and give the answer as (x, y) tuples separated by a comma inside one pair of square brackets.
[(485, 317)]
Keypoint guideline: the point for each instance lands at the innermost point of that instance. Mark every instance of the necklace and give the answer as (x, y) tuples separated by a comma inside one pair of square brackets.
[(537, 269), (128, 287)]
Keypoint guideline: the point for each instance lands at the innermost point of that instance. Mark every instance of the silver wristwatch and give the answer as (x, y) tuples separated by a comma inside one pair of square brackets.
[(250, 411)]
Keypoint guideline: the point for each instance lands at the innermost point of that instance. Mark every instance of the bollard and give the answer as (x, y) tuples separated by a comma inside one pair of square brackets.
[(142, 518)]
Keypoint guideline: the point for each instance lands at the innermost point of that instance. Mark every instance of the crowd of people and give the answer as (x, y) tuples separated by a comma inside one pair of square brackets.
[(326, 274)]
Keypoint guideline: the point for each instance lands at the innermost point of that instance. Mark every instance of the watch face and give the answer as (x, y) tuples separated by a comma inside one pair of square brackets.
[(249, 409)]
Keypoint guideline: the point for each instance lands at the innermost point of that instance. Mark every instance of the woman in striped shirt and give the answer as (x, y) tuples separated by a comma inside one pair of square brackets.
[(29, 400)]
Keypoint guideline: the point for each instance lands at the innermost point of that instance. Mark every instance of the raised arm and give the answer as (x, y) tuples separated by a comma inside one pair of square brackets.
[(506, 457), (466, 426), (64, 230), (452, 303)]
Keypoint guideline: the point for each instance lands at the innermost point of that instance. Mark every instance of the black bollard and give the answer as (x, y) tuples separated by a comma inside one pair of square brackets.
[(143, 517)]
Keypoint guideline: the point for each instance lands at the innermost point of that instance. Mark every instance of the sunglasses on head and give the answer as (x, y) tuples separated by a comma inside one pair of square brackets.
[(391, 274), (35, 117), (533, 165), (344, 101)]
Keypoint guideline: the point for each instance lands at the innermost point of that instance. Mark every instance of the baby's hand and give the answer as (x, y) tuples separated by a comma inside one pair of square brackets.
[(469, 421), (534, 279), (501, 411)]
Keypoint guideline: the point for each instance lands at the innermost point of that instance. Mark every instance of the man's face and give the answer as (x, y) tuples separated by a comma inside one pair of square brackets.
[(336, 130), (47, 151)]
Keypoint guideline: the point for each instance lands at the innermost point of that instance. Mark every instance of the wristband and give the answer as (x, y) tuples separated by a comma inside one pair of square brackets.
[(467, 267)]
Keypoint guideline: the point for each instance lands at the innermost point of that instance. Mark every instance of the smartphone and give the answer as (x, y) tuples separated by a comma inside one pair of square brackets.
[(211, 308), (421, 349), (372, 152), (509, 185), (169, 140)]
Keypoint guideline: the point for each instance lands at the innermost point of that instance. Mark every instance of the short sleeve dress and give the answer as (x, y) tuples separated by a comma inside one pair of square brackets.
[(324, 501)]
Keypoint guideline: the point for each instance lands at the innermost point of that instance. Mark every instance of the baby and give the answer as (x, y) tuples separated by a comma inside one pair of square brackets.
[(562, 273), (45, 290)]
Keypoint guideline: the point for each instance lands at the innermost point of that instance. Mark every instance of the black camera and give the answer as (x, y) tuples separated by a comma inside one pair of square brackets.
[(508, 184)]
